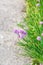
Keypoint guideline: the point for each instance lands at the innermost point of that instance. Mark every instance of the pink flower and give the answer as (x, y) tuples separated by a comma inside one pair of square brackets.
[(20, 33), (38, 38), (42, 34), (41, 22)]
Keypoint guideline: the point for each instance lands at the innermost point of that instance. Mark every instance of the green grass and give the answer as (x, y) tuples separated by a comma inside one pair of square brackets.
[(34, 14)]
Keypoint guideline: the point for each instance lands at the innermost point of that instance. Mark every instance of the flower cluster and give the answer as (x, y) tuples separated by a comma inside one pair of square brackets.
[(20, 33)]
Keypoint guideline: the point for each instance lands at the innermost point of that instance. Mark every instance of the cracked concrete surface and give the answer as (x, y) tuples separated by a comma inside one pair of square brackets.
[(10, 14)]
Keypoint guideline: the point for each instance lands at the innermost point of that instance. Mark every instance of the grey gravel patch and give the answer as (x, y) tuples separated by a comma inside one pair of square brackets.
[(10, 15)]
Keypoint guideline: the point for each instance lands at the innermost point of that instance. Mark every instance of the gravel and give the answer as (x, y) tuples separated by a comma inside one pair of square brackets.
[(10, 14)]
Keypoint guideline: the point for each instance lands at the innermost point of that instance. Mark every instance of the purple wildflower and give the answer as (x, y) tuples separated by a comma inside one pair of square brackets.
[(41, 22), (38, 38), (20, 33), (16, 31)]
